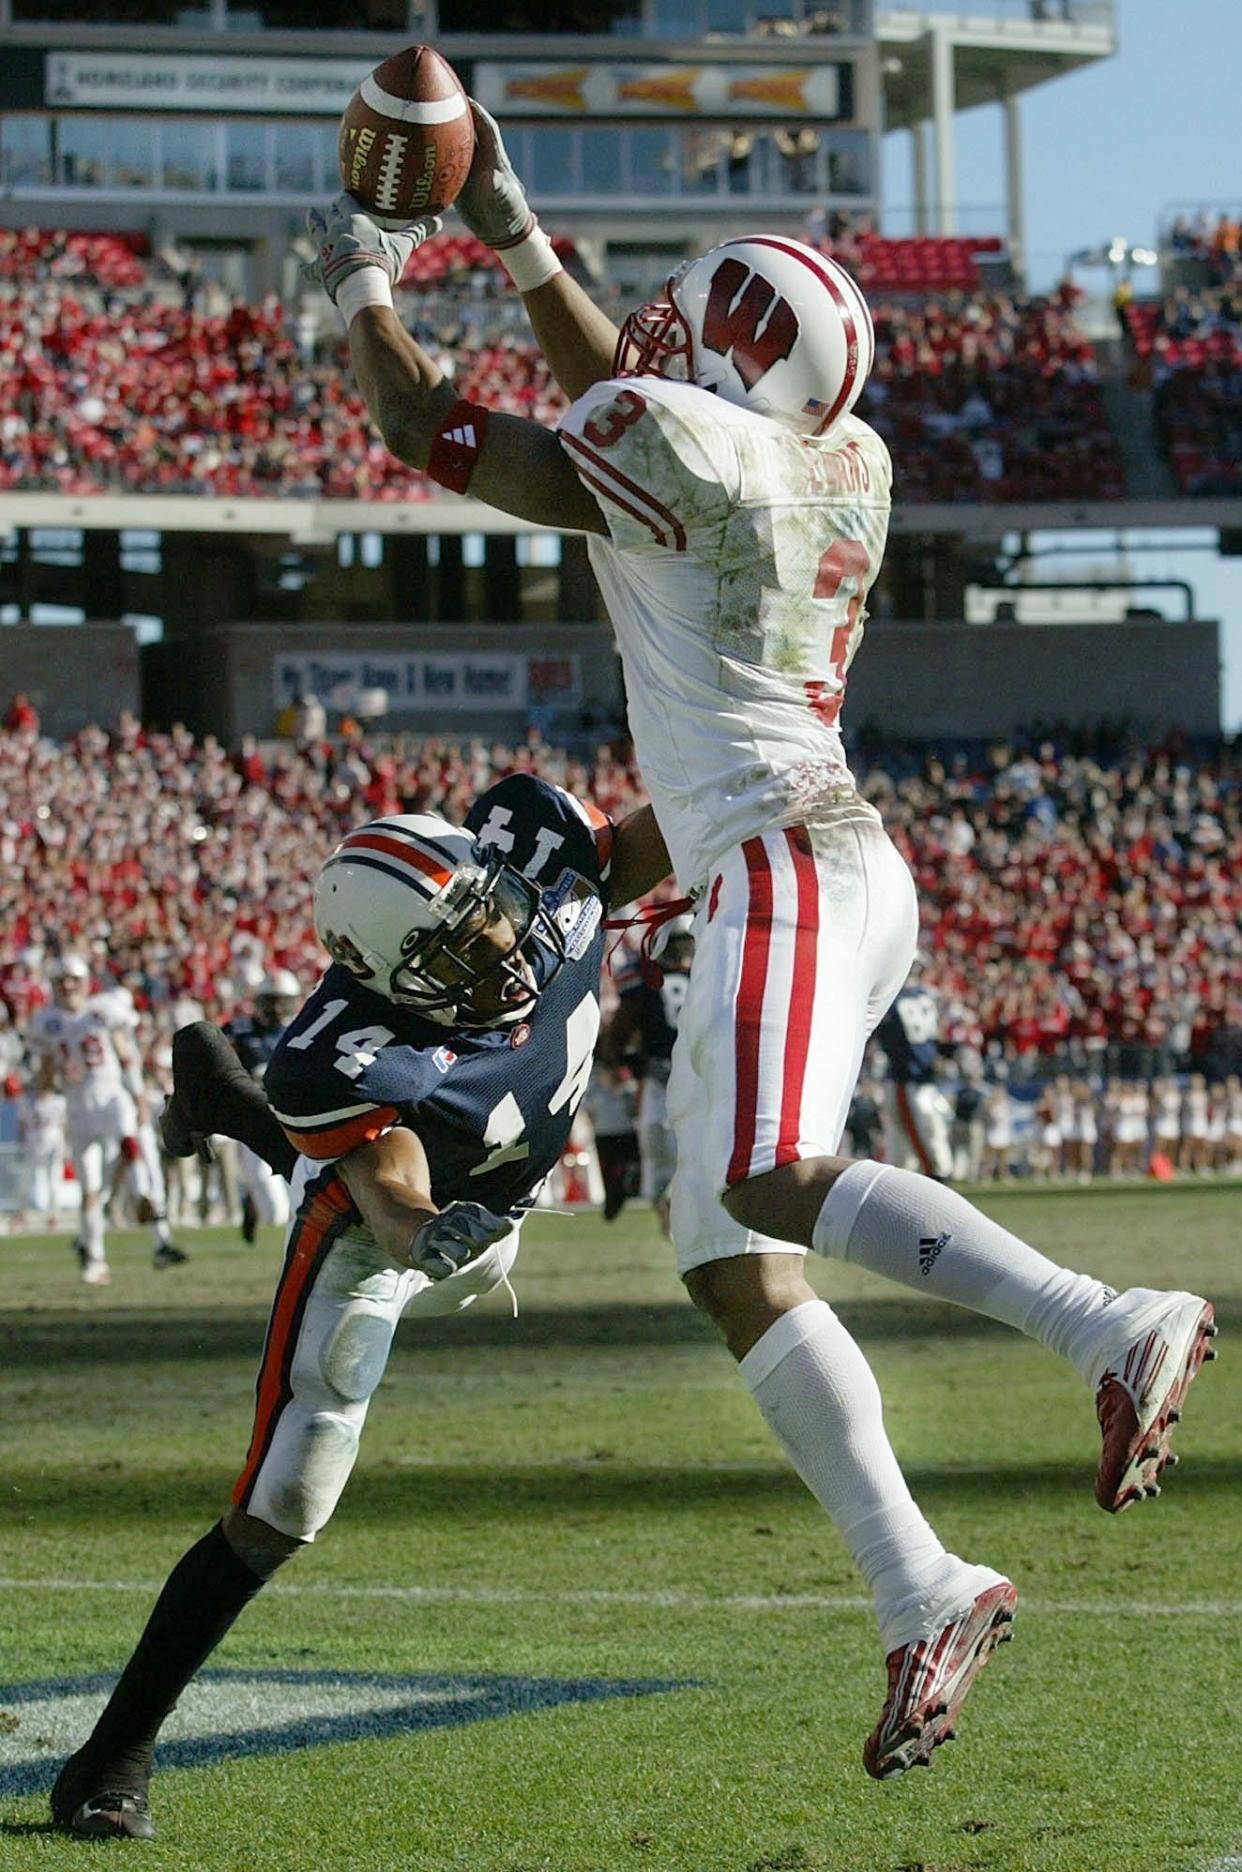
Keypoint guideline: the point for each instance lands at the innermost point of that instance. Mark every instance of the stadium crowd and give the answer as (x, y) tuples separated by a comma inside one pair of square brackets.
[(1081, 902), (111, 379), (1190, 344)]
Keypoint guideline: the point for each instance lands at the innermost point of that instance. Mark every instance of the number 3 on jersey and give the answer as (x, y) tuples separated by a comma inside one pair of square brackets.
[(845, 558), (506, 1124)]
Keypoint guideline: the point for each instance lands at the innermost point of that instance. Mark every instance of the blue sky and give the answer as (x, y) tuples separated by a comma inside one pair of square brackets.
[(1111, 150)]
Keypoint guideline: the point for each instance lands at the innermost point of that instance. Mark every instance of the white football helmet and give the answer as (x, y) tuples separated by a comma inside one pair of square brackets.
[(276, 998), (400, 905), (71, 979), (767, 323)]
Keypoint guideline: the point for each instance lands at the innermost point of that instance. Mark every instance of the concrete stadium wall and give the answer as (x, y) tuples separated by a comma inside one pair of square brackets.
[(74, 674), (982, 679)]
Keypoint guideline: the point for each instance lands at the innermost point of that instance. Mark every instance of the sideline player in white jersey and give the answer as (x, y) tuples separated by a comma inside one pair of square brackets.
[(138, 1168), (41, 1118), (736, 512), (84, 1050)]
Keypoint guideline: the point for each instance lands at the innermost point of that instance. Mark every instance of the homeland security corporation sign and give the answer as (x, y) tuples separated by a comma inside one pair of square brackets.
[(227, 1713)]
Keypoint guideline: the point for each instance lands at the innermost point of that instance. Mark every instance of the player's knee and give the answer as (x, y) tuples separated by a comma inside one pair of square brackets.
[(353, 1357), (746, 1294), (256, 1543), (785, 1202)]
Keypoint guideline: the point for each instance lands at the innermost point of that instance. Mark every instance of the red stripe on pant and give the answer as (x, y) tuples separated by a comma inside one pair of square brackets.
[(910, 1126), (748, 1013), (321, 1218), (801, 993)]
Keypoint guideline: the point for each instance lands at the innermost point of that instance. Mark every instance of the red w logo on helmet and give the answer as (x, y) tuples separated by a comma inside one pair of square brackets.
[(730, 327)]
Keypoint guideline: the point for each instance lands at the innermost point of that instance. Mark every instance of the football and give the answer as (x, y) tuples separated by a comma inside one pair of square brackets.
[(407, 138)]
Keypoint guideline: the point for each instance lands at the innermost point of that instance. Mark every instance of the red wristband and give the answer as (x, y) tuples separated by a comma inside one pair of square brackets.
[(457, 444)]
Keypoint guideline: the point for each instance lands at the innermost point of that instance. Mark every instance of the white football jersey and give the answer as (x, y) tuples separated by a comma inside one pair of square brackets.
[(735, 571), (82, 1046), (41, 1117)]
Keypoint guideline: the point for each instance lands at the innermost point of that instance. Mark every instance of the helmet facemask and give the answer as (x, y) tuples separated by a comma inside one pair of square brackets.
[(443, 970), (655, 341)]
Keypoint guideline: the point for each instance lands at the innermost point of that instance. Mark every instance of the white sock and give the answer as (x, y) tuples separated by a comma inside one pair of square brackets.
[(161, 1231), (820, 1398), (928, 1237), (93, 1232)]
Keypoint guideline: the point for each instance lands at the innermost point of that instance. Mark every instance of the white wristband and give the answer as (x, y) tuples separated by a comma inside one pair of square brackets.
[(365, 286), (532, 262)]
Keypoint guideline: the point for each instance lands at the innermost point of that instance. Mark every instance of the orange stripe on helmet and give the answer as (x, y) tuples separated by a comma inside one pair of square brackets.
[(396, 848)]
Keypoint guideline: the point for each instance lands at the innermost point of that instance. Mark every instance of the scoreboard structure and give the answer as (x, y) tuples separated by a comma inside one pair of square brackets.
[(639, 125)]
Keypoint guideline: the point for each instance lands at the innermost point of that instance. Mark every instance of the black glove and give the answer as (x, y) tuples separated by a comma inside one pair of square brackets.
[(455, 1238)]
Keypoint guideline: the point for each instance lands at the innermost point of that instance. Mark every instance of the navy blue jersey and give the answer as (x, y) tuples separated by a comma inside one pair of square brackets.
[(910, 1036), (493, 1107), (657, 1010), (254, 1045)]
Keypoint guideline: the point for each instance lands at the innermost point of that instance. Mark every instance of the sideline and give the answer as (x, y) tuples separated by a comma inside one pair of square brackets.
[(656, 1600)]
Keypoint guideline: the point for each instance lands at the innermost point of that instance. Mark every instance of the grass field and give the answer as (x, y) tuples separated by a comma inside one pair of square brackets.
[(577, 1615)]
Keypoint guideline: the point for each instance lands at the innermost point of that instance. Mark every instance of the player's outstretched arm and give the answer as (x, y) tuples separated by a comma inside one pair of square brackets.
[(513, 464), (390, 1181), (577, 339), (509, 462), (640, 858)]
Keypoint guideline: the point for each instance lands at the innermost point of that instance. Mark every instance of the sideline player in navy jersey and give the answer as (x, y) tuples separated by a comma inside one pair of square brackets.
[(255, 1037), (428, 1085), (920, 1113), (644, 1028)]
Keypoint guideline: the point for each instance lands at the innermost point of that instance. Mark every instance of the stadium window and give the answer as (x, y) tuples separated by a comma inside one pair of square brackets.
[(473, 551), (371, 550), (297, 159), (677, 19), (56, 615), (146, 629), (25, 152), (728, 16), (58, 546), (247, 157), (599, 152), (189, 155), (345, 550), (433, 549), (552, 153), (653, 162), (133, 153), (83, 151), (538, 550)]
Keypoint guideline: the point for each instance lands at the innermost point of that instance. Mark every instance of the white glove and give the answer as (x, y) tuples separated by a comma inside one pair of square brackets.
[(347, 242), (493, 205), (456, 1237)]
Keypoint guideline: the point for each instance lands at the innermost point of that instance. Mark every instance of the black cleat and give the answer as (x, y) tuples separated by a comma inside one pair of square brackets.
[(249, 1221), (167, 1254), (93, 1807)]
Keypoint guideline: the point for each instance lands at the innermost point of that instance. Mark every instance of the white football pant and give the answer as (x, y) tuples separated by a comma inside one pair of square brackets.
[(331, 1328), (803, 938), (268, 1192), (919, 1132)]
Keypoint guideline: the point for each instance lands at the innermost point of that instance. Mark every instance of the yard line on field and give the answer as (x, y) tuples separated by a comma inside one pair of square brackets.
[(656, 1599)]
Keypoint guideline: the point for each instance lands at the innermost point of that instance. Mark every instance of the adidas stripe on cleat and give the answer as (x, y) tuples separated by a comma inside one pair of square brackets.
[(929, 1678), (1141, 1375)]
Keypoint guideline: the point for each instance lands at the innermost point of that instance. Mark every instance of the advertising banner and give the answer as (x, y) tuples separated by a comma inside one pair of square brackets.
[(465, 682), (188, 81), (587, 91)]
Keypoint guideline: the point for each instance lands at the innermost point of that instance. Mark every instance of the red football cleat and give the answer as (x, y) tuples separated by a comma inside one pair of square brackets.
[(929, 1678), (1141, 1375)]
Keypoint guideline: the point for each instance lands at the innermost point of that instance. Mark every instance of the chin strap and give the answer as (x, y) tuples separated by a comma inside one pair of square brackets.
[(650, 918)]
